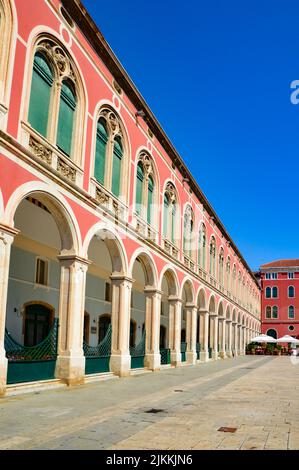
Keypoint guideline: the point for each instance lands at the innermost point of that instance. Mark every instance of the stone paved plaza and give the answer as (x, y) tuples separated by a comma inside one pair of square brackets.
[(256, 395)]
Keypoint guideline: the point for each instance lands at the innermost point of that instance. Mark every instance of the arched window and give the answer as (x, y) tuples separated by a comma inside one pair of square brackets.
[(40, 95), (170, 213), (212, 256), (274, 292), (268, 292), (101, 151), (291, 311), (234, 279), (56, 99), (109, 152), (268, 312), (6, 37), (66, 118), (202, 247), (188, 231), (275, 312), (291, 291), (272, 333), (145, 188), (220, 268), (228, 274), (116, 166)]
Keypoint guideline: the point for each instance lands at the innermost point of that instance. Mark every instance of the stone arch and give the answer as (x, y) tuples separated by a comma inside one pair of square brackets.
[(220, 309), (202, 299), (228, 312), (187, 286), (148, 265), (112, 240), (59, 208), (212, 304), (171, 278)]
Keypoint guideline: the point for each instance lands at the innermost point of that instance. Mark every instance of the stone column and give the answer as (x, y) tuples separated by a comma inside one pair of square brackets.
[(243, 339), (175, 315), (229, 337), (235, 338), (204, 335), (222, 352), (70, 364), (152, 358), (191, 321), (7, 235), (214, 335), (120, 360), (240, 339)]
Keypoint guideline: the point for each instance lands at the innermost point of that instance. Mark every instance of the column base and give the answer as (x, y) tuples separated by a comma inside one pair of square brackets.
[(229, 354), (153, 361), (70, 370), (215, 355), (175, 358), (191, 357), (3, 375), (222, 354), (120, 364), (204, 356)]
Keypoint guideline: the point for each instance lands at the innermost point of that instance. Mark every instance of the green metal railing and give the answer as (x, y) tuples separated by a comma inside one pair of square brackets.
[(197, 350), (138, 353), (31, 363), (183, 351), (165, 356), (97, 358)]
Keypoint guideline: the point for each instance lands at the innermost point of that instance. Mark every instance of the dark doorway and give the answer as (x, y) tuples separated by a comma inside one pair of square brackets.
[(38, 319)]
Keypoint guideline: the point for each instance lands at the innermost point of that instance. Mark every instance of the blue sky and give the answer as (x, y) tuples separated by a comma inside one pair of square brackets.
[(217, 76)]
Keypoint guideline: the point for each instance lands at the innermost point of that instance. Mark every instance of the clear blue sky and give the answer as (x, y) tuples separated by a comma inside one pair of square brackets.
[(217, 76)]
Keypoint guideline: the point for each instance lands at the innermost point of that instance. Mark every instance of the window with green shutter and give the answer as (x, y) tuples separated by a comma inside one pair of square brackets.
[(165, 216), (275, 312), (150, 199), (173, 219), (101, 150), (40, 95), (116, 166), (291, 311), (139, 188), (66, 118)]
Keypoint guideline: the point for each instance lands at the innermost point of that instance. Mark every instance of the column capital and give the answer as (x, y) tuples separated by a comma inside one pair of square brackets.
[(121, 278), (174, 298), (203, 311), (228, 320), (190, 305), (7, 233), (221, 319), (152, 290), (72, 258), (213, 314)]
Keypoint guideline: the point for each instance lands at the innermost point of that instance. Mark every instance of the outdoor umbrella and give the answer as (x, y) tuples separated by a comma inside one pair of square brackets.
[(287, 339), (263, 339)]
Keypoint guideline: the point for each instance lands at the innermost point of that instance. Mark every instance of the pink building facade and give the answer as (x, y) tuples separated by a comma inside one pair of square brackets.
[(280, 300), (103, 227)]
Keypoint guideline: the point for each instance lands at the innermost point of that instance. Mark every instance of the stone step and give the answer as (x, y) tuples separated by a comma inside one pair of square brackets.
[(32, 387), (99, 377)]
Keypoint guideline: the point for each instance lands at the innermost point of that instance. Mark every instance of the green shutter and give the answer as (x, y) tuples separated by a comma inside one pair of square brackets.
[(101, 149), (139, 188), (42, 81), (173, 217), (116, 166), (150, 200), (66, 119), (165, 216)]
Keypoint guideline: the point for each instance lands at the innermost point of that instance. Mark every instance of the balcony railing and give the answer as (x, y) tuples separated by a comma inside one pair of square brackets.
[(170, 248), (108, 201), (144, 229), (51, 155)]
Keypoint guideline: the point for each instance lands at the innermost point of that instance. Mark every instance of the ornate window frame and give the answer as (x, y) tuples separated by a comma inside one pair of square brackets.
[(188, 231), (64, 69), (146, 161), (7, 43), (173, 232), (116, 129), (202, 247)]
